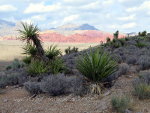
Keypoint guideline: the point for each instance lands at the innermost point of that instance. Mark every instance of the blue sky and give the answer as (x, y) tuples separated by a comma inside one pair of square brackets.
[(106, 15)]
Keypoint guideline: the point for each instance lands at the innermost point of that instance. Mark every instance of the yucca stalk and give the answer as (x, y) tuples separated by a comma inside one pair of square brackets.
[(30, 34), (96, 65)]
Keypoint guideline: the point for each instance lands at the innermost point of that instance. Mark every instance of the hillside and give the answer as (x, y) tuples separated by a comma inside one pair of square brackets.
[(72, 33), (131, 72)]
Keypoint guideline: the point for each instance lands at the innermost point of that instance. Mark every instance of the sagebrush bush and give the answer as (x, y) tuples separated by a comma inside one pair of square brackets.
[(141, 85), (16, 64), (131, 60), (96, 65), (142, 91), (144, 62), (12, 79), (120, 104), (52, 52), (33, 87), (37, 67), (56, 85), (123, 68)]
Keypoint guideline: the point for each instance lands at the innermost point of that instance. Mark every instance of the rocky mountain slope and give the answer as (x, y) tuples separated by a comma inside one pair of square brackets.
[(84, 33)]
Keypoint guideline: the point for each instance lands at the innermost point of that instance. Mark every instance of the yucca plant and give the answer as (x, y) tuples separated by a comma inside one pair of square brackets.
[(96, 65), (37, 67), (56, 66), (30, 50), (53, 52), (30, 34)]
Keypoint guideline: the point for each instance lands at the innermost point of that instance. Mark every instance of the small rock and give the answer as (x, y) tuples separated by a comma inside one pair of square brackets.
[(128, 111), (5, 100)]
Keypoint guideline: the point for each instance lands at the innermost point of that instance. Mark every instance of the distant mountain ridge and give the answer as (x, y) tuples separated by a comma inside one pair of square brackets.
[(70, 33), (73, 27), (4, 23)]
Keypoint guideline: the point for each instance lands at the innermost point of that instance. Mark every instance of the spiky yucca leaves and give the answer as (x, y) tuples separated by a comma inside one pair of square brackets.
[(30, 50), (53, 52), (30, 34), (96, 65), (56, 66), (37, 67)]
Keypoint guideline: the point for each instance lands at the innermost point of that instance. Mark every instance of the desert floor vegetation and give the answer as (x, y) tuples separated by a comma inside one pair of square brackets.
[(93, 73)]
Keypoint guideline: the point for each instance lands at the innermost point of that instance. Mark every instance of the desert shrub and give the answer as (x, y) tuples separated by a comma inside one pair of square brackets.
[(122, 41), (27, 60), (96, 65), (144, 62), (56, 85), (142, 91), (108, 39), (71, 50), (16, 64), (37, 67), (56, 66), (131, 60), (145, 77), (12, 79), (30, 50), (120, 104), (141, 85), (140, 44), (53, 52), (123, 69), (33, 87), (116, 35), (144, 33)]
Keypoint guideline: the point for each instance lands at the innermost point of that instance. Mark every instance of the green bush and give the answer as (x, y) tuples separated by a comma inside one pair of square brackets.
[(53, 52), (120, 104), (27, 60), (56, 66), (140, 44), (96, 65), (71, 50), (37, 67)]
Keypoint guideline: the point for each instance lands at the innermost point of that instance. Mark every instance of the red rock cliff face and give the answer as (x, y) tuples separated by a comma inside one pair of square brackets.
[(91, 36), (82, 36)]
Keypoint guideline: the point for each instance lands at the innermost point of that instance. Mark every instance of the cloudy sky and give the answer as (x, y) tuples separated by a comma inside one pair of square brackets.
[(106, 15)]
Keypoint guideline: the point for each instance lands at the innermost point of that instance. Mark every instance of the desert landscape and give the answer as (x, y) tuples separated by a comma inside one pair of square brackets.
[(66, 56)]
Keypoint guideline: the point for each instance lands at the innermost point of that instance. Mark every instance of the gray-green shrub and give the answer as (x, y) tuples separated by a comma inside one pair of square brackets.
[(120, 104)]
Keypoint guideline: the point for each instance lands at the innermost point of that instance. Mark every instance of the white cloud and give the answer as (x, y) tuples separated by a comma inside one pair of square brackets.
[(124, 1), (144, 6), (35, 19), (41, 7), (124, 26), (7, 8), (126, 18), (70, 18)]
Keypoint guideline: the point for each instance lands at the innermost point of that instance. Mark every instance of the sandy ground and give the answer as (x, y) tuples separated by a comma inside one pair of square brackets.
[(17, 100)]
